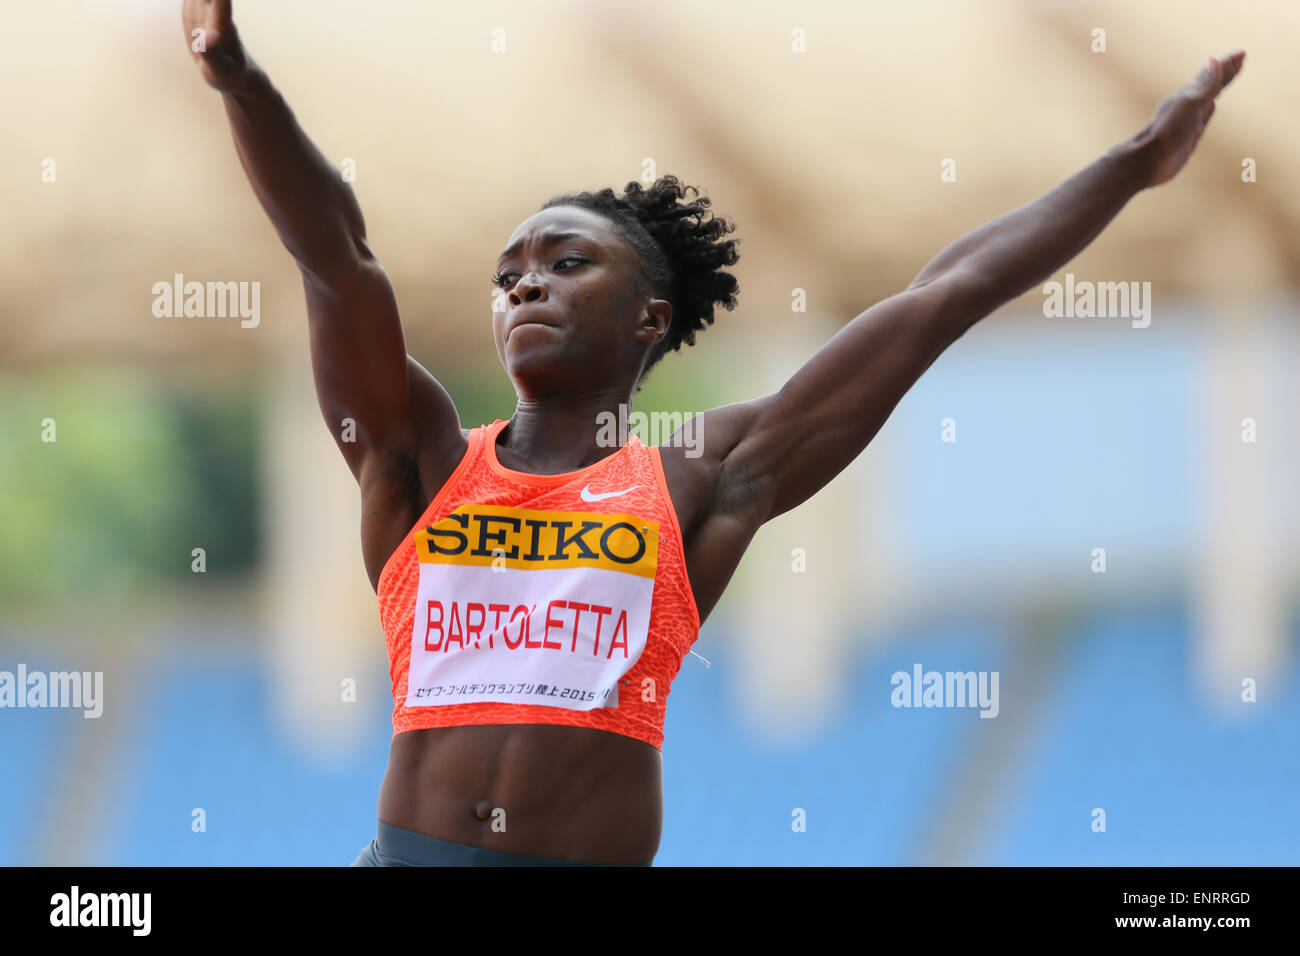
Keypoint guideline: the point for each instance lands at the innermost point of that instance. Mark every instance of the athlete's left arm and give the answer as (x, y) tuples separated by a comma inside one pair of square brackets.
[(782, 448)]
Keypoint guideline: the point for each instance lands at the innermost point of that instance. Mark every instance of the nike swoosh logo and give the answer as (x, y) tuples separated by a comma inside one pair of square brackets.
[(587, 495)]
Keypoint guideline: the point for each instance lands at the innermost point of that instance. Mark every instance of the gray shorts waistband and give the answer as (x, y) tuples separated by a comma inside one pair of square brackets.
[(394, 846)]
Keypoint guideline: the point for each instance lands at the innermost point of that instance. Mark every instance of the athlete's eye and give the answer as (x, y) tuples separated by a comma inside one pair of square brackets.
[(501, 279)]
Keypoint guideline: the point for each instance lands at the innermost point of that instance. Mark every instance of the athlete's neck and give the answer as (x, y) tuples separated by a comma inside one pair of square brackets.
[(559, 435)]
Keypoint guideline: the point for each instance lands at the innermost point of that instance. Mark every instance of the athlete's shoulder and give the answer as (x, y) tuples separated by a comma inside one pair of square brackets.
[(698, 461)]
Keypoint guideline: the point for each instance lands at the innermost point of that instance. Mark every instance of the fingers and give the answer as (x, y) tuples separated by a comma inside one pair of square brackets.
[(1231, 63), (1216, 74), (221, 14), (1208, 82)]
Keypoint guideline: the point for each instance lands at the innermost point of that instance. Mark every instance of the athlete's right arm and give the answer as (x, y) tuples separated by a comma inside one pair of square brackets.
[(363, 375)]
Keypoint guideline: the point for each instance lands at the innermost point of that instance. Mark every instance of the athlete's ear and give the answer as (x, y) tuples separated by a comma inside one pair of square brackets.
[(655, 320)]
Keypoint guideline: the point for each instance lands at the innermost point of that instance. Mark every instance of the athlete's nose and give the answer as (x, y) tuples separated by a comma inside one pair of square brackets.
[(527, 289)]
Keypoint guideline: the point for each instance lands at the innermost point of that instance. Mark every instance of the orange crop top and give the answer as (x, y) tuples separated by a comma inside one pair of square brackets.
[(540, 599)]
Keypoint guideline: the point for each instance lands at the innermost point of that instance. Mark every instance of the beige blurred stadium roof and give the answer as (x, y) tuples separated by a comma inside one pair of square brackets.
[(828, 160)]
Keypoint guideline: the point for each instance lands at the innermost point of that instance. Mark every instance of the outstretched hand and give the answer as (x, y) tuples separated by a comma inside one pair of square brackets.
[(1180, 119), (214, 42)]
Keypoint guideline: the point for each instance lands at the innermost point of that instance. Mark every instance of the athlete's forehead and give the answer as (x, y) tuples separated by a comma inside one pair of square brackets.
[(558, 223)]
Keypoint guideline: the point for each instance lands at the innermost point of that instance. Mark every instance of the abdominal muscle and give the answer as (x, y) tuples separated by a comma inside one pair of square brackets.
[(568, 793)]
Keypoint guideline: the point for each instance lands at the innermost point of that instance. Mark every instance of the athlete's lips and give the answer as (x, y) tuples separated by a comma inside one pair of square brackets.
[(526, 314)]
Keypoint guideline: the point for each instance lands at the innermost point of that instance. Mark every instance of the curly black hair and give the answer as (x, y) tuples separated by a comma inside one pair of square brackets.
[(682, 251)]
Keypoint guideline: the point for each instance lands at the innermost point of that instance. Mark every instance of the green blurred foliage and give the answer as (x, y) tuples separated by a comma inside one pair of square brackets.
[(139, 474)]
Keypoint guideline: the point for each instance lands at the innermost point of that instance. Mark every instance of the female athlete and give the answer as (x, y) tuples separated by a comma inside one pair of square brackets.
[(540, 579)]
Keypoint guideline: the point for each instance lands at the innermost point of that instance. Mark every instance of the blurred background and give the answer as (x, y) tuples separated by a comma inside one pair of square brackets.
[(849, 142)]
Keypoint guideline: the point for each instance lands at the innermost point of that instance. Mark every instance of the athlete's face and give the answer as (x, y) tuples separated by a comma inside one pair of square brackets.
[(568, 315)]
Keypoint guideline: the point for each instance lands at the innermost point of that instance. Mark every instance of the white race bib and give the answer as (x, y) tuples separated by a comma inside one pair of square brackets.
[(530, 607)]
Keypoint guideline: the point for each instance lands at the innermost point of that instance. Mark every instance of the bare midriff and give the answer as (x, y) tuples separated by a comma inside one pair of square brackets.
[(569, 793)]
